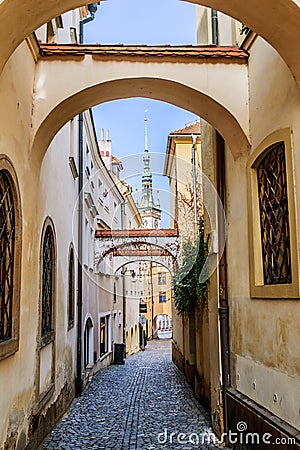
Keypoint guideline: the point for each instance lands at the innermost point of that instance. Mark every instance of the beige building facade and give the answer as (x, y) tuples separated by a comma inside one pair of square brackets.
[(183, 167), (158, 300), (255, 106), (50, 365), (258, 293)]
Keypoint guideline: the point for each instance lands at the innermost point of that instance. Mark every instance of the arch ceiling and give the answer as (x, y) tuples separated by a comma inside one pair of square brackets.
[(276, 21)]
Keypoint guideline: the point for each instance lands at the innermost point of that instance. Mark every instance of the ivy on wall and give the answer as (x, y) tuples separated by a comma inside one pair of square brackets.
[(189, 292)]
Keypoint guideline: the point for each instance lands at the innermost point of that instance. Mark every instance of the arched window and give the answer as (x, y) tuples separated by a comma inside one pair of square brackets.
[(10, 246), (48, 282), (273, 239), (88, 343), (7, 253), (71, 290), (274, 216)]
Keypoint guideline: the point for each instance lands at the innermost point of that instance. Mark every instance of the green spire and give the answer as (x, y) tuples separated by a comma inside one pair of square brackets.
[(147, 175), (147, 201)]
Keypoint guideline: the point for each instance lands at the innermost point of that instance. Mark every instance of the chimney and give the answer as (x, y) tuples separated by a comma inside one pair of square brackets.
[(102, 134), (107, 135)]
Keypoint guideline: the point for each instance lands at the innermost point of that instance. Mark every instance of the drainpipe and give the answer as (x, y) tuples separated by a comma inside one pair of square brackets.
[(92, 10), (123, 272), (215, 27), (194, 187), (152, 300), (223, 291), (78, 380)]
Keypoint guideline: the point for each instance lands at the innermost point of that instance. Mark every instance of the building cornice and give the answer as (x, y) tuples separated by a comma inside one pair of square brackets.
[(152, 52)]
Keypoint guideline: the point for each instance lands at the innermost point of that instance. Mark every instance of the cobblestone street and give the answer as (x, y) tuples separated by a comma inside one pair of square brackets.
[(135, 406)]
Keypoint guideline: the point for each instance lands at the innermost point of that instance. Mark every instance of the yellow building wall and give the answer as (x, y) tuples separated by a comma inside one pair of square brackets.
[(265, 356), (154, 307), (15, 118), (264, 332), (22, 372)]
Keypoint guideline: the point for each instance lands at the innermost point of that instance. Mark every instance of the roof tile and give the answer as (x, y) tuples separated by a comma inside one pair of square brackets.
[(120, 50), (193, 128)]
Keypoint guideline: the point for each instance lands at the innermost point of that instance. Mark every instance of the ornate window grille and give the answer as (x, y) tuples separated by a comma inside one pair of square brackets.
[(7, 255), (274, 216), (47, 282), (71, 289)]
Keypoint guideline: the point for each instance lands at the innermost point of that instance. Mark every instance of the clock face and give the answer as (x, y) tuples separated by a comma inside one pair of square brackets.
[(144, 223)]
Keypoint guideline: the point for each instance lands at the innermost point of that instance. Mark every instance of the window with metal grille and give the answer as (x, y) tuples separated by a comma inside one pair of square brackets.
[(47, 282), (7, 254), (274, 216), (71, 289)]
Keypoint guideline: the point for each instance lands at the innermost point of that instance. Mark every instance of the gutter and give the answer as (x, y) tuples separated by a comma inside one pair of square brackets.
[(194, 186), (78, 380), (223, 288), (123, 272), (176, 136)]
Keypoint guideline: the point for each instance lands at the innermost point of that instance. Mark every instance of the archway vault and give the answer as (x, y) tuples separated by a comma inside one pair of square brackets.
[(276, 21), (210, 82)]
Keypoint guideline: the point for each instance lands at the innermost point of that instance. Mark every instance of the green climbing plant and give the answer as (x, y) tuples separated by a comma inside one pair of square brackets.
[(189, 290)]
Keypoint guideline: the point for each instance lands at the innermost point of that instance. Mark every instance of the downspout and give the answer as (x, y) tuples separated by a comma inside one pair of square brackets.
[(194, 187), (223, 289), (152, 300), (215, 27), (92, 7), (78, 379), (123, 272)]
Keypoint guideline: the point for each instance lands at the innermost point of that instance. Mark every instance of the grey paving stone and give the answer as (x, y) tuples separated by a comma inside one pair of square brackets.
[(135, 406)]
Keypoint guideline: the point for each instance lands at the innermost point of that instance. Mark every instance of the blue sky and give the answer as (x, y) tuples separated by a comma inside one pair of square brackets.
[(142, 22)]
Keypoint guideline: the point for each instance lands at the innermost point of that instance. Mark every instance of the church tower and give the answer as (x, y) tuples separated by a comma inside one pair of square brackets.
[(149, 210)]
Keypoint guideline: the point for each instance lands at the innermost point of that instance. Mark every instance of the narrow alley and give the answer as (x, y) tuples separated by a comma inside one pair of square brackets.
[(144, 404)]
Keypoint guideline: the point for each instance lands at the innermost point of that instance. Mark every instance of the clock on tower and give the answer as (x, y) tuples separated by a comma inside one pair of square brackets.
[(145, 223)]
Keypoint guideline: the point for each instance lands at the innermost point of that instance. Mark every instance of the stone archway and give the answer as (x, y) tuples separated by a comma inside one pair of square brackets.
[(127, 246), (277, 22), (184, 81)]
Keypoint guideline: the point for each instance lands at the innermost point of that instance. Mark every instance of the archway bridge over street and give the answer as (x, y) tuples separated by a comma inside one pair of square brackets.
[(210, 81)]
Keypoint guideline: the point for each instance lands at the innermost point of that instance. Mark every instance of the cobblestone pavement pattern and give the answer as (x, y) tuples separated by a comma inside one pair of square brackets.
[(125, 407)]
